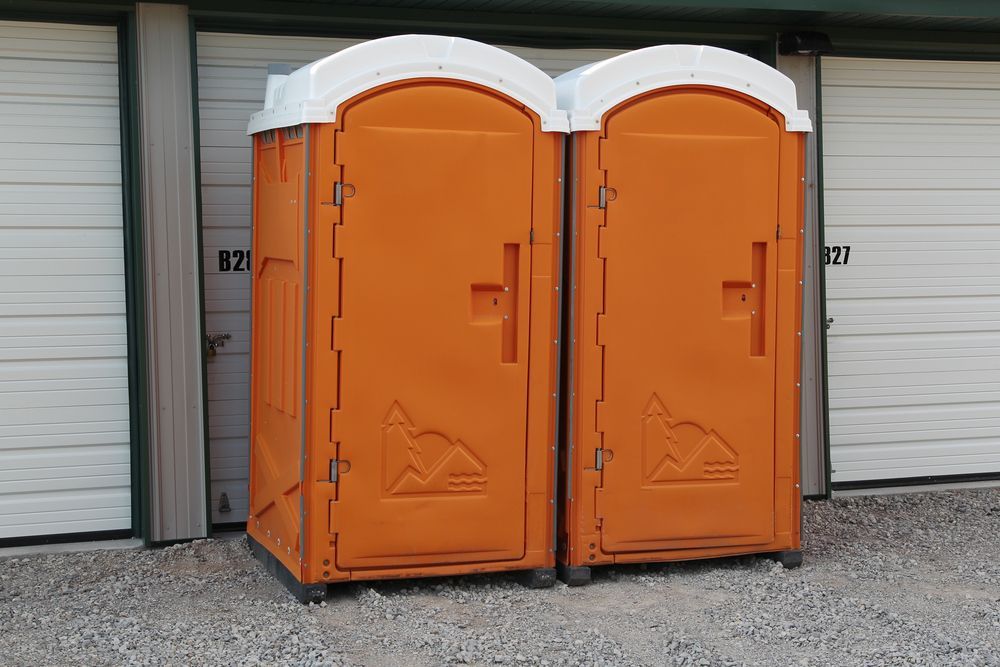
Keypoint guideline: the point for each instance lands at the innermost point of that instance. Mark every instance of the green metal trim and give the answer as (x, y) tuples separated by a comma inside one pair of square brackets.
[(917, 8), (515, 29), (912, 9), (196, 157), (769, 52), (64, 12), (821, 240), (135, 283), (913, 44), (927, 9)]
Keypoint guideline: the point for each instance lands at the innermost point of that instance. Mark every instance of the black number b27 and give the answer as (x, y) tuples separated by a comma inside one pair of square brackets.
[(837, 254), (235, 260)]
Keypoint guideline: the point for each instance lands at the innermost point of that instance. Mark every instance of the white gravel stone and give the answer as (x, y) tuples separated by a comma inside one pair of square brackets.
[(887, 580)]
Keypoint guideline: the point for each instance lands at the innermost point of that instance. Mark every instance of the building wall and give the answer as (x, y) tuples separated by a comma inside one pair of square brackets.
[(812, 436), (173, 297), (163, 286)]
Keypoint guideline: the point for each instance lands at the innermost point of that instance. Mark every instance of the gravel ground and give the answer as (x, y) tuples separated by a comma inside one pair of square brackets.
[(888, 580)]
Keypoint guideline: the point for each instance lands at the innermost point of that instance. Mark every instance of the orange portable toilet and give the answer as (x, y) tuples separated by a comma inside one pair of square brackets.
[(683, 372), (406, 208)]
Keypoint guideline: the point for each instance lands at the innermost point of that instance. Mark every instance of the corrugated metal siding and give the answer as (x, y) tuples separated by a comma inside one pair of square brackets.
[(232, 70), (911, 155), (64, 411), (173, 306), (802, 70)]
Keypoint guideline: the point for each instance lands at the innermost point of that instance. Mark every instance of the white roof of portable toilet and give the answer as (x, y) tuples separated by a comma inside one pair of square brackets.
[(312, 93), (589, 92)]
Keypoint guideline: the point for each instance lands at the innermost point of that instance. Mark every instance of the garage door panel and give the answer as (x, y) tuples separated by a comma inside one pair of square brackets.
[(915, 108), (924, 133), (55, 154), (854, 288), (53, 511), (225, 138), (64, 400), (67, 522), (30, 480), (910, 354), (868, 471), (77, 194), (877, 384), (26, 121), (916, 220), (872, 180), (911, 151), (916, 304), (919, 366), (224, 298), (850, 347), (61, 285), (229, 236), (235, 433), (968, 272), (66, 266), (924, 453), (921, 396), (227, 175), (90, 423), (40, 136), (872, 418), (957, 201), (229, 395), (905, 254)]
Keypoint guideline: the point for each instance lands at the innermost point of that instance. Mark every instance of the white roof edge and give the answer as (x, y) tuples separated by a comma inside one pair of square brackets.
[(313, 93), (589, 92)]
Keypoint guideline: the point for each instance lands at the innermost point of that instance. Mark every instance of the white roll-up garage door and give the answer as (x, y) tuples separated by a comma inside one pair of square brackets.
[(911, 165), (64, 407), (232, 70)]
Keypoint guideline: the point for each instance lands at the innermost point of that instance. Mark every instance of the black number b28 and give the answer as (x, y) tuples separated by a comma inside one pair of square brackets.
[(837, 254), (234, 260)]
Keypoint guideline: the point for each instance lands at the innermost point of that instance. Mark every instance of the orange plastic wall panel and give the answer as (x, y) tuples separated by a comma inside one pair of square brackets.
[(686, 323), (432, 319), (276, 351)]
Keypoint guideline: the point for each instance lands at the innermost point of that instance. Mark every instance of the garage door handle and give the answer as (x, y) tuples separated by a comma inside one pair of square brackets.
[(829, 321)]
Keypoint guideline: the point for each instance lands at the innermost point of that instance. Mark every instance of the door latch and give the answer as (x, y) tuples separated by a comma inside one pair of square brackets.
[(341, 191), (829, 322), (604, 195), (336, 471)]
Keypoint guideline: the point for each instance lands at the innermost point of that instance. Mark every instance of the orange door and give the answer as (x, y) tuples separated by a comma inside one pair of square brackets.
[(688, 328), (433, 329)]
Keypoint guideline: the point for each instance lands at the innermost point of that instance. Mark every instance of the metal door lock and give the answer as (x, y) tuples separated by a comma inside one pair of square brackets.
[(829, 322), (341, 191), (213, 341)]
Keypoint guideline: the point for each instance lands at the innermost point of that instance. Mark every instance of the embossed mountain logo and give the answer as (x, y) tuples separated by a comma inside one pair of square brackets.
[(676, 451), (428, 462)]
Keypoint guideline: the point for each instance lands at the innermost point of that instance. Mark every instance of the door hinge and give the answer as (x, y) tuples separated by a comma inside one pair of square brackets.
[(334, 470), (341, 191), (531, 236), (598, 459), (777, 234)]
